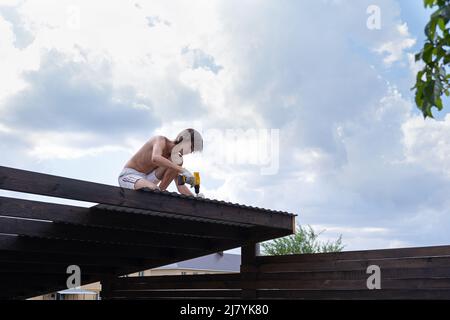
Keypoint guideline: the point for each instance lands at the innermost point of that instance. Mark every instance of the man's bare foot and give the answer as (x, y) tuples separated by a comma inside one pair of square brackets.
[(147, 189), (143, 183)]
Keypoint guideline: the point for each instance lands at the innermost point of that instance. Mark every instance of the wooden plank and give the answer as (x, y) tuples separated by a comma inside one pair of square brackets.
[(433, 283), (359, 255), (185, 294), (40, 229), (99, 218), (199, 285), (24, 244), (237, 281), (391, 278), (20, 280), (49, 185), (391, 273), (431, 294), (207, 281), (68, 259), (39, 268), (325, 284), (27, 287), (342, 265), (413, 284)]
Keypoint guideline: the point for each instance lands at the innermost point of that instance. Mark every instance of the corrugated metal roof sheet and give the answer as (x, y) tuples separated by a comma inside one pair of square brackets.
[(221, 202), (168, 215)]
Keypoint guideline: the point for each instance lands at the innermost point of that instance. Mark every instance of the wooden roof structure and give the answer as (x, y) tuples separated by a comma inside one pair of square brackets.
[(125, 232)]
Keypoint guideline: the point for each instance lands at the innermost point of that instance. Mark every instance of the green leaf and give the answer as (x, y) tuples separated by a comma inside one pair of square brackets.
[(419, 56), (441, 24), (427, 53), (429, 3), (419, 76), (438, 103), (430, 29), (446, 59)]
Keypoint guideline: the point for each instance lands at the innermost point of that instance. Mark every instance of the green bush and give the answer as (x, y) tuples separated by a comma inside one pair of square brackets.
[(305, 240)]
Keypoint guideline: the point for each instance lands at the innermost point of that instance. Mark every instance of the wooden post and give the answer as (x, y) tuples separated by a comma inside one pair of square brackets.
[(107, 284), (249, 270)]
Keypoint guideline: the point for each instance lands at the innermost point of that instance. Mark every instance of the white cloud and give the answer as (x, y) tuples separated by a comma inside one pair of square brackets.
[(12, 62), (427, 142), (5, 129), (394, 50), (361, 237), (66, 146), (9, 2)]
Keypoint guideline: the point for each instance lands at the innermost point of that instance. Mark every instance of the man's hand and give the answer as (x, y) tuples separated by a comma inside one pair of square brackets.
[(190, 179)]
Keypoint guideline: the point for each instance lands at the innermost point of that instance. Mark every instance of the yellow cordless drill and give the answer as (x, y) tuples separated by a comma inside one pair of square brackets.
[(196, 183)]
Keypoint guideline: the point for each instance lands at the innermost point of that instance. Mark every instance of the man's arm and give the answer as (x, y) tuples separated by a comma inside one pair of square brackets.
[(183, 189), (159, 160)]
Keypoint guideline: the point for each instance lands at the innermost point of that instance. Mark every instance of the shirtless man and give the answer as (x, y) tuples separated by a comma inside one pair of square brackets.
[(160, 161)]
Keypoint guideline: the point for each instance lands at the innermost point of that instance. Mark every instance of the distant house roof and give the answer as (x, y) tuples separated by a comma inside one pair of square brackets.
[(213, 262)]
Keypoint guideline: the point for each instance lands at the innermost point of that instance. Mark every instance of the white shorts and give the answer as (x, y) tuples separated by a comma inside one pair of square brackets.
[(128, 177)]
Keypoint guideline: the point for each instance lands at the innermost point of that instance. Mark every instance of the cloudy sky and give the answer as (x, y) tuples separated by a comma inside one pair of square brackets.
[(83, 84)]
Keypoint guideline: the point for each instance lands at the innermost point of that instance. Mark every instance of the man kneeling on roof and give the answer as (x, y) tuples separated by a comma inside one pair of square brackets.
[(160, 161)]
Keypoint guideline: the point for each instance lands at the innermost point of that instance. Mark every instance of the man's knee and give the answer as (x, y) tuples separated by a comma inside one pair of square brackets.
[(169, 176), (160, 172)]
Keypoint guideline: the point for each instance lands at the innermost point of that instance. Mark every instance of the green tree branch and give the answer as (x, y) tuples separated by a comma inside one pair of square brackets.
[(432, 81)]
